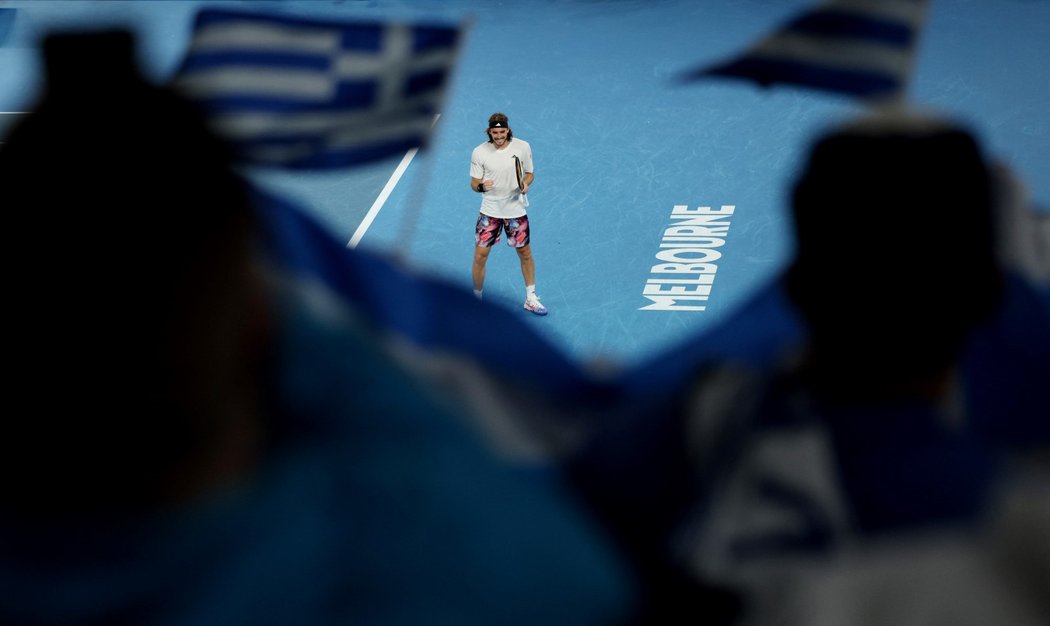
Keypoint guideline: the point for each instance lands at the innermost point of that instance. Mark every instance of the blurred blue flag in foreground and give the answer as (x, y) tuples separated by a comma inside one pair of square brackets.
[(860, 48), (527, 396), (7, 20), (301, 93)]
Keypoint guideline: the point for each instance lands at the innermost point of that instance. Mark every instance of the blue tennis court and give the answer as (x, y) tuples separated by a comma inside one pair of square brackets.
[(618, 145)]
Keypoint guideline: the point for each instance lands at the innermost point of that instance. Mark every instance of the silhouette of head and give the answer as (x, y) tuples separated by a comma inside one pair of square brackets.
[(129, 281), (894, 230)]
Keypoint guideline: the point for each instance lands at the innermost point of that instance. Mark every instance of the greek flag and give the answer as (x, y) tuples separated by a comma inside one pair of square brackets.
[(860, 48), (300, 93)]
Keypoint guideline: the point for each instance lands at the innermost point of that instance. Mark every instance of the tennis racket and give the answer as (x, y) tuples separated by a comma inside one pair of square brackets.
[(519, 171)]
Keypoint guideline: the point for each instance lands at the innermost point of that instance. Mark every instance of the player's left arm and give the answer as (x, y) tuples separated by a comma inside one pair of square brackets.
[(527, 166)]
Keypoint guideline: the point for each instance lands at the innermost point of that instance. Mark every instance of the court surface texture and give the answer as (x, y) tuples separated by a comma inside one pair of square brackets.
[(618, 144)]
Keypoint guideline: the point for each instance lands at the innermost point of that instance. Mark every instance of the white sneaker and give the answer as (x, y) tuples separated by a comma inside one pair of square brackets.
[(532, 303)]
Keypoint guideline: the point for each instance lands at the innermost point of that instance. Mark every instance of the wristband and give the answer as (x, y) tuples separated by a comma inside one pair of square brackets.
[(480, 188)]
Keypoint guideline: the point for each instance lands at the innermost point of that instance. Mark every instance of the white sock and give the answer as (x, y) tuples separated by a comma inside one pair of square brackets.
[(477, 294), (530, 290)]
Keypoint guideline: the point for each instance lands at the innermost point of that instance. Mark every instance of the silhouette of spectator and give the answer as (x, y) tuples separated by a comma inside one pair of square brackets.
[(880, 429), (190, 440)]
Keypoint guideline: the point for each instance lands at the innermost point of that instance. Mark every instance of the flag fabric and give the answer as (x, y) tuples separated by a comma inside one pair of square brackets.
[(859, 48), (526, 395), (7, 20), (301, 93)]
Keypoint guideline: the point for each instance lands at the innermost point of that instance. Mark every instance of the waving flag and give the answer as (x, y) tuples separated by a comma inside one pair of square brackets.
[(301, 93), (526, 395), (7, 20), (860, 48)]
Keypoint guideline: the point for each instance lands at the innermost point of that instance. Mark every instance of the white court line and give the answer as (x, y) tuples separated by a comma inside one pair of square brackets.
[(388, 189), (381, 200), (373, 211)]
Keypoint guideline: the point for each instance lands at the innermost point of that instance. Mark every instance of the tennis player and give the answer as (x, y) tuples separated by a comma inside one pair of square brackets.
[(501, 171)]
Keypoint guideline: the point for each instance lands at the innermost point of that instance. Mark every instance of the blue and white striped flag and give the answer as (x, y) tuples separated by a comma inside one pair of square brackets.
[(301, 93), (860, 48)]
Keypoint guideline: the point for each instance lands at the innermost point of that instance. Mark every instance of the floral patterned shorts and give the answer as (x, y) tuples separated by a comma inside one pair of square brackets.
[(487, 231)]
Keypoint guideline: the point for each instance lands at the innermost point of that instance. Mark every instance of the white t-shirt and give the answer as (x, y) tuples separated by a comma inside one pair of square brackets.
[(503, 200)]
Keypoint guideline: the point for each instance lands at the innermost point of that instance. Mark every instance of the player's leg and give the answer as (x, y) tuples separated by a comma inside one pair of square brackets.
[(486, 234), (481, 256), (518, 236), (528, 265)]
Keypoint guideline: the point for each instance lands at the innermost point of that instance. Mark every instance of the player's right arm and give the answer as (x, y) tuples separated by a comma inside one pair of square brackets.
[(477, 172)]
